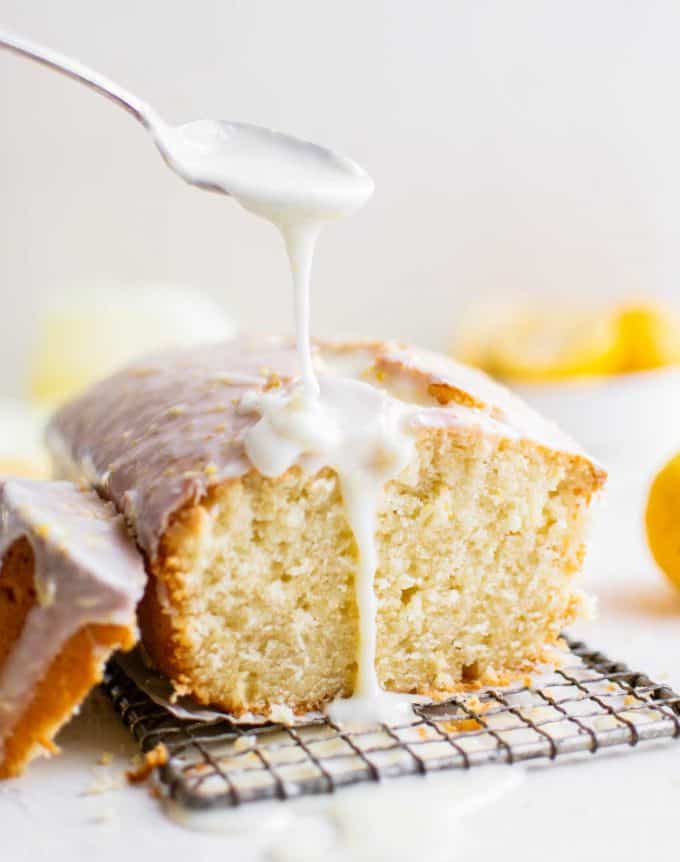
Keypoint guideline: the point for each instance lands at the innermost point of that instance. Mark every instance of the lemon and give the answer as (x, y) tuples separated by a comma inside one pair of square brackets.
[(557, 345), (540, 344), (85, 335), (662, 519), (649, 337), (552, 343)]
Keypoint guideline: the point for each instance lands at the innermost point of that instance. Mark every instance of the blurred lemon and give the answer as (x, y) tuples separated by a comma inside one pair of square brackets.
[(560, 345), (662, 519), (85, 335), (548, 343), (649, 336)]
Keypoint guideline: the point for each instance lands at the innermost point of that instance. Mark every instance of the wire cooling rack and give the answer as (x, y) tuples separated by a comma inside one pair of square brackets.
[(589, 704)]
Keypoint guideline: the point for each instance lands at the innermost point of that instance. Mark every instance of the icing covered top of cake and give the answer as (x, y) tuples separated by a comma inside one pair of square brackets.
[(159, 433)]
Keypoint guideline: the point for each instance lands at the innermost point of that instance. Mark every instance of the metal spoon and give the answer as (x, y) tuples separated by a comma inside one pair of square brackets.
[(139, 109), (193, 160)]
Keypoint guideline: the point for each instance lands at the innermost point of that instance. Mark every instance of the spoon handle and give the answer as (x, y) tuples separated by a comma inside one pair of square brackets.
[(73, 69)]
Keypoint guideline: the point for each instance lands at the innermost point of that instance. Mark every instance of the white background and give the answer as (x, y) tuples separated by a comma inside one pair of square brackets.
[(515, 146), (523, 145)]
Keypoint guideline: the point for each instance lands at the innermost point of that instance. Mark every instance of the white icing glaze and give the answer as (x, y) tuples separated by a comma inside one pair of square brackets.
[(295, 184), (281, 178), (347, 424), (366, 437)]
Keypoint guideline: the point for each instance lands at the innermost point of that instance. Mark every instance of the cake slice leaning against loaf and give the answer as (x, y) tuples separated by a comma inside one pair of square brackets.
[(70, 581), (250, 604)]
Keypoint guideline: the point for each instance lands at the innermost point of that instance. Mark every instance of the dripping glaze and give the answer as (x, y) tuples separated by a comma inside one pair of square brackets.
[(344, 423)]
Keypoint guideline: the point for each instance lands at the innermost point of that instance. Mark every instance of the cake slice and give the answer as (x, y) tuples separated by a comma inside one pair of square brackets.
[(70, 580), (251, 603)]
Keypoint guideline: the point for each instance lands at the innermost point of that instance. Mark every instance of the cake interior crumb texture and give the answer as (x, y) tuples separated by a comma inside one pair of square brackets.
[(251, 603)]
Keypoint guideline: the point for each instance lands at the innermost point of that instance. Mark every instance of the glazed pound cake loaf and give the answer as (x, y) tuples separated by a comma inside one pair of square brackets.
[(255, 601)]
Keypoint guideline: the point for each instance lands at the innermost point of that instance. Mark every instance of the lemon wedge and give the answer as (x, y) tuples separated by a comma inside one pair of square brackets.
[(552, 343), (543, 344), (557, 346)]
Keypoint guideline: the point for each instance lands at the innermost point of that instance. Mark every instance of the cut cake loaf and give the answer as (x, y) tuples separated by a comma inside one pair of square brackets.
[(250, 604)]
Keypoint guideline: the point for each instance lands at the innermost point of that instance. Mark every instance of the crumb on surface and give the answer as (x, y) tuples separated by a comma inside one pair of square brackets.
[(103, 783), (158, 756), (461, 725), (474, 703)]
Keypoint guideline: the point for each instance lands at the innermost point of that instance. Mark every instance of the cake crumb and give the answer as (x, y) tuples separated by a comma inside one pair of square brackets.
[(103, 783), (105, 758), (273, 382), (461, 725), (158, 756)]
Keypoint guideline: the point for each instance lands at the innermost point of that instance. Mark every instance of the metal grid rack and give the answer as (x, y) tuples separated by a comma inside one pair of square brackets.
[(590, 703)]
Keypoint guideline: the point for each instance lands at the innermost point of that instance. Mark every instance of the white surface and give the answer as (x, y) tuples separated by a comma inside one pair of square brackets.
[(525, 145), (614, 806)]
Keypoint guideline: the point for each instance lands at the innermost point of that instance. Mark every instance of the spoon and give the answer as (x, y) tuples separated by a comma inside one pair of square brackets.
[(264, 170)]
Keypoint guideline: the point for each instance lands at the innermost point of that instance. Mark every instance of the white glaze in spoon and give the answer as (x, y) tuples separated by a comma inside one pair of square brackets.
[(293, 183)]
